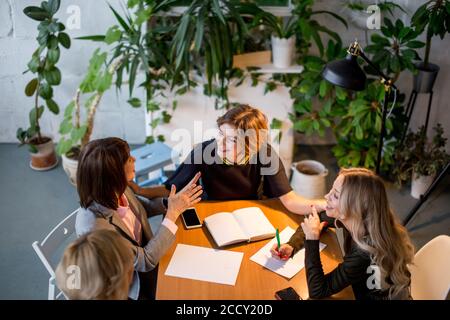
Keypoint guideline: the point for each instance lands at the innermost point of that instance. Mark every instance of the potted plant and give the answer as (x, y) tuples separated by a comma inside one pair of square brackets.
[(43, 65), (144, 50), (286, 30), (434, 16), (74, 133), (282, 38), (394, 50), (419, 160), (207, 36)]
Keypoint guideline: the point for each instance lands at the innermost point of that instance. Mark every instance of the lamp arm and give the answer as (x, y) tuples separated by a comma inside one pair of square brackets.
[(386, 80)]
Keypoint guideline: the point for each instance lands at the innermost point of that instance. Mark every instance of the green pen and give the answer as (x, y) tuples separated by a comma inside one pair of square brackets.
[(278, 241)]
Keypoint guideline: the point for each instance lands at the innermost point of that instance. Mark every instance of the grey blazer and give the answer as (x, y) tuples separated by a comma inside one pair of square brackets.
[(152, 248)]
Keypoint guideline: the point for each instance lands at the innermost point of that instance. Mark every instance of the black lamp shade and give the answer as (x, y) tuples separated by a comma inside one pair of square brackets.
[(345, 73)]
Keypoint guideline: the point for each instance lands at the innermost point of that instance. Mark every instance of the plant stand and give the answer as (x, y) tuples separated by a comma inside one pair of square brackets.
[(410, 109), (425, 196)]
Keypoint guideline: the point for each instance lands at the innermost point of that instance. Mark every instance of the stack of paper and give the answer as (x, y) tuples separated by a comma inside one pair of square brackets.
[(286, 268), (205, 264)]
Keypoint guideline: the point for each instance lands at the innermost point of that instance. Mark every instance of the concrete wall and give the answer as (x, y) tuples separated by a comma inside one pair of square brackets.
[(117, 118)]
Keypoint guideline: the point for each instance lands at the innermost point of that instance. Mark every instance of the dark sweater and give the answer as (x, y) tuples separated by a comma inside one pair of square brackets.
[(352, 271), (263, 176)]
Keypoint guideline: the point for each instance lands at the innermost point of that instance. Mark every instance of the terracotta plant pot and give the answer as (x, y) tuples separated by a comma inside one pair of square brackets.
[(45, 158)]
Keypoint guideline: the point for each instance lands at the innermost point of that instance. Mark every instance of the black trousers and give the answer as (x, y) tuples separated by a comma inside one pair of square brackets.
[(147, 282)]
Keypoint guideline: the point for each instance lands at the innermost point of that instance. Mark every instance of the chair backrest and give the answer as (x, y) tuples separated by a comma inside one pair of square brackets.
[(47, 248), (430, 277)]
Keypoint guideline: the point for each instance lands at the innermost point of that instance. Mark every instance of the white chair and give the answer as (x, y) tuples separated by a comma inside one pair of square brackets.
[(430, 276), (47, 249)]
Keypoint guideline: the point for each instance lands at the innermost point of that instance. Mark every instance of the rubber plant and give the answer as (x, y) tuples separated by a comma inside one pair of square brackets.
[(434, 16), (46, 76)]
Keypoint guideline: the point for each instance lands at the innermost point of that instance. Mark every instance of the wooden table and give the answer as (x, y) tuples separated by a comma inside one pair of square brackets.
[(253, 281)]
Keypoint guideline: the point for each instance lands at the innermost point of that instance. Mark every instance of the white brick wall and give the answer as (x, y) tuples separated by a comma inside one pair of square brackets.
[(17, 42)]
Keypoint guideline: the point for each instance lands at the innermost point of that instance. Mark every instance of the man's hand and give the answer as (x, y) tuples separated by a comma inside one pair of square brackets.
[(187, 197)]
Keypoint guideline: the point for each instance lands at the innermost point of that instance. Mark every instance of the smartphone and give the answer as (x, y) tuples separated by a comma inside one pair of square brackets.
[(287, 294), (190, 219)]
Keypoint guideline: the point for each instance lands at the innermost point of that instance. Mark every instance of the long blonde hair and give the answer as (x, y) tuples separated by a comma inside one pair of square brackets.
[(104, 262), (375, 229)]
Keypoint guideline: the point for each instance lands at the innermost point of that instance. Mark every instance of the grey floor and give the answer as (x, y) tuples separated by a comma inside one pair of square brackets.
[(32, 203)]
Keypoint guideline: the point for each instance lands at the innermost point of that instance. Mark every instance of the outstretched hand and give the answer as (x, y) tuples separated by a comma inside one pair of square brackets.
[(185, 198)]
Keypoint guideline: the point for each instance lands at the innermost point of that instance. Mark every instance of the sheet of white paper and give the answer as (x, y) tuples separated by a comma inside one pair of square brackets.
[(288, 268), (205, 264)]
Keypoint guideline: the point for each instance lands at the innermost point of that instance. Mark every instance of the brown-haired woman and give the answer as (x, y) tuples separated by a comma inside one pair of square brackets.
[(377, 248), (96, 266), (104, 169), (239, 164)]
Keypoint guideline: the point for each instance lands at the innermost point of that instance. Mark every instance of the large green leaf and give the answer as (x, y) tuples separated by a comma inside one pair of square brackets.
[(52, 106), (112, 35), (30, 89), (64, 39), (66, 126), (98, 38), (69, 110), (34, 63), (64, 146), (134, 102), (78, 133), (45, 91), (53, 55), (36, 13), (121, 21), (53, 6), (53, 76)]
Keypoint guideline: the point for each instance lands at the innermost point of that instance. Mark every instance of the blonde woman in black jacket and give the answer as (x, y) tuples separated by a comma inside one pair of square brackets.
[(377, 248)]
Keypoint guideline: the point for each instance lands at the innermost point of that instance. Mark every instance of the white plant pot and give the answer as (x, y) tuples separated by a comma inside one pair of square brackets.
[(309, 179), (420, 184), (283, 51), (70, 167)]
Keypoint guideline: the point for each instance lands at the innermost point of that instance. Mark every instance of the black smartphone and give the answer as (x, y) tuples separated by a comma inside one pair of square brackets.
[(191, 219), (287, 294)]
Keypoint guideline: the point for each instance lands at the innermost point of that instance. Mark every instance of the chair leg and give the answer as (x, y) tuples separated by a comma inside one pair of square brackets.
[(51, 288)]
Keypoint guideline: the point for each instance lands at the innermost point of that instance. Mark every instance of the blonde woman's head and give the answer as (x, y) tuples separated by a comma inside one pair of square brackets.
[(96, 266), (359, 200)]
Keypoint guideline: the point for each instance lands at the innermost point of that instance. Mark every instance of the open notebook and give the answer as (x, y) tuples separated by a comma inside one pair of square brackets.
[(247, 224)]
